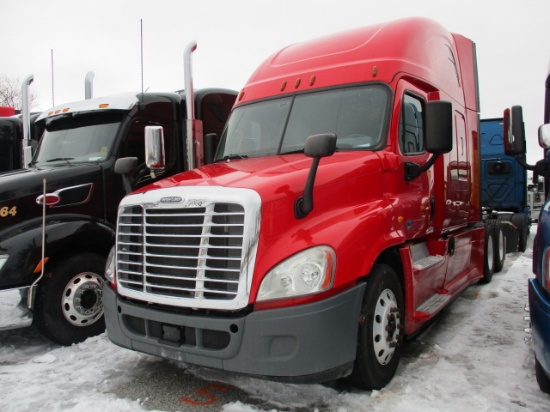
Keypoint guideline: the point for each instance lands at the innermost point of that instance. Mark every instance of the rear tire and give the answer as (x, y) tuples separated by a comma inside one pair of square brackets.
[(520, 221), (488, 256), (69, 300), (499, 247), (381, 325)]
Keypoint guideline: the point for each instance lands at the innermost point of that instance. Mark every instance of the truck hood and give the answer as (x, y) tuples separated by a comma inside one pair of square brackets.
[(275, 177), (30, 180), (20, 188)]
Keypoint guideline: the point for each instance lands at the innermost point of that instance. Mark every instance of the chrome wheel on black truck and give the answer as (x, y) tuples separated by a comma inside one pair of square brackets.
[(69, 300), (380, 337)]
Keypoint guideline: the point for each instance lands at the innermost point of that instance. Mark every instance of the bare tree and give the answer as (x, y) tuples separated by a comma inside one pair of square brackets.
[(10, 93)]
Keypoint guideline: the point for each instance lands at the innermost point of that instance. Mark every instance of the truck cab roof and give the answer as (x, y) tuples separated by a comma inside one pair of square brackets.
[(123, 101), (418, 46)]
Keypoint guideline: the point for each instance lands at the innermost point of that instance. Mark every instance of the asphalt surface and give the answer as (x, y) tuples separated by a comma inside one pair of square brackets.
[(161, 385)]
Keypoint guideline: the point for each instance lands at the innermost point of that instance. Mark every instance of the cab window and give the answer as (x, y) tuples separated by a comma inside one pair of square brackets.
[(411, 128)]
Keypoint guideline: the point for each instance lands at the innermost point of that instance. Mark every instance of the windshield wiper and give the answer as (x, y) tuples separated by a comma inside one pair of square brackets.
[(293, 151), (232, 157), (57, 159)]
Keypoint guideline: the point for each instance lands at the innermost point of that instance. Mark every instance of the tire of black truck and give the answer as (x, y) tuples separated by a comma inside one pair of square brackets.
[(381, 325), (69, 300)]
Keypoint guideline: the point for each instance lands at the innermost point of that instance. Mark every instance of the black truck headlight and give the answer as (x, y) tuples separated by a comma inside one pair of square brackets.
[(3, 260)]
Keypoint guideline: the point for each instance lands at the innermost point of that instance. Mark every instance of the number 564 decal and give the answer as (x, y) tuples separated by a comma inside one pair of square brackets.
[(8, 211)]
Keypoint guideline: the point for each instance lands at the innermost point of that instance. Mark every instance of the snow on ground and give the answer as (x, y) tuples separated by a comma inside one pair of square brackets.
[(473, 358)]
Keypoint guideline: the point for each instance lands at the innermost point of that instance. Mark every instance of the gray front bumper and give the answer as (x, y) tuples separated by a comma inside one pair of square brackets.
[(305, 343)]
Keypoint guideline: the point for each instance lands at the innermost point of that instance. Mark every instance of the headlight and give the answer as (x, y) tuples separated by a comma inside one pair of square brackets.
[(110, 273), (305, 273), (3, 260)]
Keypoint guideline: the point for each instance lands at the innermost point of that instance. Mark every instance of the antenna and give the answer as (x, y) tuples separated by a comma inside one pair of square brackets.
[(141, 22), (53, 100)]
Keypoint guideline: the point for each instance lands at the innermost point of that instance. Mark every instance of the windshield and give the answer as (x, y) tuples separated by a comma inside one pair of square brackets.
[(78, 137), (357, 115)]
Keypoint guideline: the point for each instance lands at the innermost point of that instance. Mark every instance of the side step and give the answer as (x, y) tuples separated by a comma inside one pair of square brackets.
[(427, 262), (432, 306), (423, 264)]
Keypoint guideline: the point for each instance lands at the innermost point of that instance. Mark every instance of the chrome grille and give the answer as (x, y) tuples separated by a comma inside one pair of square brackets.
[(193, 253)]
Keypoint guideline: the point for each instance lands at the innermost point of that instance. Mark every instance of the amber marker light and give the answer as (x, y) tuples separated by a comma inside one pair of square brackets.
[(41, 263)]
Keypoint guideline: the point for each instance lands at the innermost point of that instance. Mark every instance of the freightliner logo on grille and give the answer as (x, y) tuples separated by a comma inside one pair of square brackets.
[(171, 199)]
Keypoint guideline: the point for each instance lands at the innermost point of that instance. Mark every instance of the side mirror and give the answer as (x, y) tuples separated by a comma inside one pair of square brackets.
[(514, 131), (316, 146), (125, 166), (320, 145), (154, 148), (544, 136), (438, 136), (210, 146), (438, 131)]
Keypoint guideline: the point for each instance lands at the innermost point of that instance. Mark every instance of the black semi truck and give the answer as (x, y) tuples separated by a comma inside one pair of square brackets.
[(58, 216)]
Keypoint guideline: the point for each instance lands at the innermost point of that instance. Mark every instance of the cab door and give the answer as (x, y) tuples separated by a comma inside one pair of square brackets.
[(414, 198)]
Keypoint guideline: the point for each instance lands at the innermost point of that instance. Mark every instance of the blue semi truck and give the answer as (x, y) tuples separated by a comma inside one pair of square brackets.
[(539, 285), (504, 187)]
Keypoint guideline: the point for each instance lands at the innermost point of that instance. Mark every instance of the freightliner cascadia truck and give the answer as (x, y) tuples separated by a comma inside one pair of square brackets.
[(57, 218), (539, 285), (341, 214)]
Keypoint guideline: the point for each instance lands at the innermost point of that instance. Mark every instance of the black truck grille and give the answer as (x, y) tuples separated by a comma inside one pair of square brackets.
[(192, 252)]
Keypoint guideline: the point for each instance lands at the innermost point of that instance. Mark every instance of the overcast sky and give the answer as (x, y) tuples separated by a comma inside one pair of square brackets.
[(234, 36)]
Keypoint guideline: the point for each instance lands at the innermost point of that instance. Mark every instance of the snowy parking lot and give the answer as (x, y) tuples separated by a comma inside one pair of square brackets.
[(473, 358)]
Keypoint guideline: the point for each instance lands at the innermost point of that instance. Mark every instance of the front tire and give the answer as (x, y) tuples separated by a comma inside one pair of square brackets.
[(381, 325), (69, 300)]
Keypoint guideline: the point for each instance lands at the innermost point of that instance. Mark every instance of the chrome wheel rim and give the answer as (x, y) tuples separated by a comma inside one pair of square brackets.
[(386, 327), (82, 300)]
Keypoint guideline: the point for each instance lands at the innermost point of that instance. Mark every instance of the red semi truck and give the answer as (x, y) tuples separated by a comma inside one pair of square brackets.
[(341, 214)]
